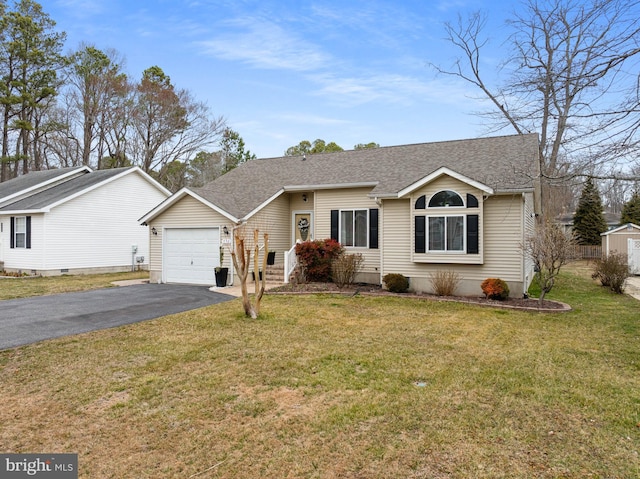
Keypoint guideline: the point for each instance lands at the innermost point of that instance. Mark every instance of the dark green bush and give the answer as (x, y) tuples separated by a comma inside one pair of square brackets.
[(612, 271), (495, 288), (396, 283)]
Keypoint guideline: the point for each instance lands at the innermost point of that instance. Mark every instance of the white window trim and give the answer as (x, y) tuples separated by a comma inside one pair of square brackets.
[(462, 197), (353, 210), (446, 251), (16, 232)]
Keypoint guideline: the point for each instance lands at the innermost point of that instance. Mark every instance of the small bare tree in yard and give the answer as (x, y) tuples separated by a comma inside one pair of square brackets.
[(444, 282), (344, 269), (241, 255), (549, 248)]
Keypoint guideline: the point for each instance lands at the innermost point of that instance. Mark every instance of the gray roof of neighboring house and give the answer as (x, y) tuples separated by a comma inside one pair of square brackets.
[(34, 178), (505, 164), (60, 191)]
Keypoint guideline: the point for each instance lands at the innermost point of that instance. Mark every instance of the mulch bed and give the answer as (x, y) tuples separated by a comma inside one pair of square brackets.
[(528, 304)]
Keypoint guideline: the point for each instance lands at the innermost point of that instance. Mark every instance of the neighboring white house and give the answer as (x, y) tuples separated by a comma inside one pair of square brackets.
[(464, 206), (75, 220)]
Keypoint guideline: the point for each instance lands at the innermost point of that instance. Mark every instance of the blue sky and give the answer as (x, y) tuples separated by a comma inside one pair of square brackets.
[(284, 71)]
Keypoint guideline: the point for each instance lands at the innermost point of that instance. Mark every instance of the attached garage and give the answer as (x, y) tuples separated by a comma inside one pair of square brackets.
[(190, 255)]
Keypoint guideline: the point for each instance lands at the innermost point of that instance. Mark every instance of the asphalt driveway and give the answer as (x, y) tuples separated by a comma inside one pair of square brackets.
[(29, 320)]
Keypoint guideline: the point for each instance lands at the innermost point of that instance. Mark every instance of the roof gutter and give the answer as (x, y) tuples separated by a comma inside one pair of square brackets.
[(24, 212), (330, 186)]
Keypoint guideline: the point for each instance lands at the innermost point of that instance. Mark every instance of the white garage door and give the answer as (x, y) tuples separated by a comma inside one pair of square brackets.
[(191, 254)]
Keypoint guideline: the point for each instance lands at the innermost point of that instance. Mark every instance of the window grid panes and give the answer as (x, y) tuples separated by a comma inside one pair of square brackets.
[(446, 233), (445, 198), (353, 228), (21, 232)]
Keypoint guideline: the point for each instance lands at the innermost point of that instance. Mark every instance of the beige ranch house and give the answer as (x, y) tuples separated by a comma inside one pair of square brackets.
[(464, 206)]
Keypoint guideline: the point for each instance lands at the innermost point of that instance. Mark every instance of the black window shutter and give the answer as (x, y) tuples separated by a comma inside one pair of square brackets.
[(472, 201), (12, 241), (420, 235), (473, 245), (334, 224), (28, 239), (373, 228)]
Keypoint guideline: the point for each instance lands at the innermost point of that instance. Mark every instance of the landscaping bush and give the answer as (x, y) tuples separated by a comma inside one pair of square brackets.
[(495, 288), (612, 271), (396, 283), (344, 269), (316, 257), (444, 283)]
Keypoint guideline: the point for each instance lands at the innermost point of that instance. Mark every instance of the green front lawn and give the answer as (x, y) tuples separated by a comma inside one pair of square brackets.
[(328, 386)]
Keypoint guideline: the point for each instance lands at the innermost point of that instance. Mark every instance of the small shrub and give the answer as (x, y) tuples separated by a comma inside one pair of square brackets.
[(396, 283), (316, 257), (495, 288), (344, 269), (444, 283), (612, 271)]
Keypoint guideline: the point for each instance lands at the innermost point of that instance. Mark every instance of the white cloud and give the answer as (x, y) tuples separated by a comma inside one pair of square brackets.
[(264, 44), (390, 88)]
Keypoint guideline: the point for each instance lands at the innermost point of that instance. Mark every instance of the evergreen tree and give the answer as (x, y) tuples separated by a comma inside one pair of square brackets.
[(631, 210), (588, 220), (233, 153)]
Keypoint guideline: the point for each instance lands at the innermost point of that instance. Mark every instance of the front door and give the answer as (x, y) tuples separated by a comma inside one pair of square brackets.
[(302, 226)]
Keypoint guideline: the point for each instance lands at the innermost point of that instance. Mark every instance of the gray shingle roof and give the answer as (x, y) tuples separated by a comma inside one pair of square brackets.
[(61, 191), (24, 182), (505, 163)]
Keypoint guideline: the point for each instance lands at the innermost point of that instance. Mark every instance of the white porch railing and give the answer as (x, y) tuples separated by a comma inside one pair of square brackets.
[(290, 262)]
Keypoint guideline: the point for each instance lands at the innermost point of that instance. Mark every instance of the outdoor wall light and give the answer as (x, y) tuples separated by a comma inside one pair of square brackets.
[(154, 231), (304, 197), (225, 230)]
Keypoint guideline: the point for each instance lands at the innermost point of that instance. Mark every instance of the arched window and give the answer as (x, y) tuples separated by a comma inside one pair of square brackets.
[(445, 198), (440, 231)]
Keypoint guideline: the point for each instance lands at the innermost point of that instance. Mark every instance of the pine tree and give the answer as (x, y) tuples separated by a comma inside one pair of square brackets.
[(588, 220), (631, 210)]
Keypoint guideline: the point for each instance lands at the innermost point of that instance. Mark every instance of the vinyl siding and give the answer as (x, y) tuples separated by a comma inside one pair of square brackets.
[(186, 213), (462, 189), (504, 237), (341, 199), (529, 230), (618, 242), (28, 260), (275, 220), (500, 238), (191, 213), (95, 230)]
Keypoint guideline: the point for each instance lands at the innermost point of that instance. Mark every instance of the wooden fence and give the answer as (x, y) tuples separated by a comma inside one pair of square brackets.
[(588, 252)]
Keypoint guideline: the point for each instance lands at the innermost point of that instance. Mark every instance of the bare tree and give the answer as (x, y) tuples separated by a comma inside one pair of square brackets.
[(169, 124), (241, 256), (93, 78), (549, 248), (563, 78)]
